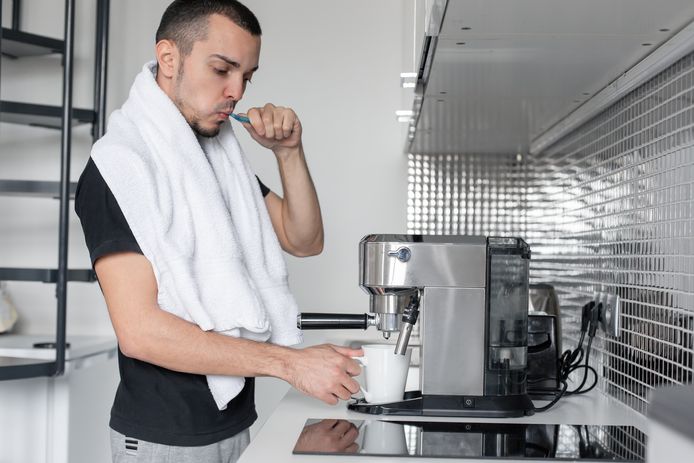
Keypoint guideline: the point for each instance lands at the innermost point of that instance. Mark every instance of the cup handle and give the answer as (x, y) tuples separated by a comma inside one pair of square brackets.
[(364, 363)]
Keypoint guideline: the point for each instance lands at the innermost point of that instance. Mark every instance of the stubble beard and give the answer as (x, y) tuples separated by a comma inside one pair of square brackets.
[(193, 120)]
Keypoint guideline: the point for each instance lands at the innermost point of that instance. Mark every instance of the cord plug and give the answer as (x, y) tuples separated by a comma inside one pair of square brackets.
[(594, 319), (586, 313)]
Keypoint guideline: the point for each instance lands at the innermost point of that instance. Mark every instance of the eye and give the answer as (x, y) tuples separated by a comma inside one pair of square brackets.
[(220, 72)]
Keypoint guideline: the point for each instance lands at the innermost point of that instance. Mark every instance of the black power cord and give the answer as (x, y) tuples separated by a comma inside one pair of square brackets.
[(559, 395), (572, 360), (594, 319)]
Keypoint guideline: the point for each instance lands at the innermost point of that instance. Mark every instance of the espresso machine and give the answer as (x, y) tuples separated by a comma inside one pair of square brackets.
[(469, 295)]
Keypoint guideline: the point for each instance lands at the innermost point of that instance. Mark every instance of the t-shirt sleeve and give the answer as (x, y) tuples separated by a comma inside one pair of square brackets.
[(105, 229), (263, 189)]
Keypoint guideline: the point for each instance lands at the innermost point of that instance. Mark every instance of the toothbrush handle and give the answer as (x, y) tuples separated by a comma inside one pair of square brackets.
[(240, 118)]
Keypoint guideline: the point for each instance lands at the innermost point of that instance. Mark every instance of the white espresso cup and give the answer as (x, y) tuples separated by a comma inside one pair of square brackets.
[(384, 373)]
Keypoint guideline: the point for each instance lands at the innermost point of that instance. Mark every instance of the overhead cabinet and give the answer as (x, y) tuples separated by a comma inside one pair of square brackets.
[(498, 75)]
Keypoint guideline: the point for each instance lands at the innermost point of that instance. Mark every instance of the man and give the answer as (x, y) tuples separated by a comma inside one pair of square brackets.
[(206, 53)]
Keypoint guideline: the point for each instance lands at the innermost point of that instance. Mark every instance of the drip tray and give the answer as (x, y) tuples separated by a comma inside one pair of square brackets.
[(511, 441)]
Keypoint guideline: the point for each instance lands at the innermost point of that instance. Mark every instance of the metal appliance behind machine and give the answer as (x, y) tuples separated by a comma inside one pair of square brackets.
[(544, 342), (472, 292)]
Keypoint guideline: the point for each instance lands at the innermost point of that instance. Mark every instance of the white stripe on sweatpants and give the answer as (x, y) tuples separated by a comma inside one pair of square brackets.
[(130, 450)]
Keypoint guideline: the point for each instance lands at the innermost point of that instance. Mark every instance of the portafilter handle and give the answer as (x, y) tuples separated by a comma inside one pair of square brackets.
[(334, 321)]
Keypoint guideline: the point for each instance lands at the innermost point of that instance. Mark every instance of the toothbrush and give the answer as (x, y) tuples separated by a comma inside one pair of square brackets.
[(240, 118)]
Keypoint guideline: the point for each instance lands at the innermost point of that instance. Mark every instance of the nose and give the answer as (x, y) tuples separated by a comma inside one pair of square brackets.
[(234, 88)]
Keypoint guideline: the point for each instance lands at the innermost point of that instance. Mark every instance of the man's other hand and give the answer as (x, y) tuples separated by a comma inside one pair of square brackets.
[(274, 127), (325, 372)]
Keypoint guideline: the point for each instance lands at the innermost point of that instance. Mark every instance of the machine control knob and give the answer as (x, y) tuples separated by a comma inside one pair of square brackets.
[(402, 254)]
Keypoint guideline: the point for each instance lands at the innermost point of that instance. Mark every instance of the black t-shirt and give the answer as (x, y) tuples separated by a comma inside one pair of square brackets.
[(153, 403)]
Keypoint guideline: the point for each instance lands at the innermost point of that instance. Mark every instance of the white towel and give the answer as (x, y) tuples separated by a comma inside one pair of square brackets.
[(199, 217)]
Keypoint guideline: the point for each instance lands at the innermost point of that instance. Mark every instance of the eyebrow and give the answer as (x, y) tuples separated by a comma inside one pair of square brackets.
[(230, 61)]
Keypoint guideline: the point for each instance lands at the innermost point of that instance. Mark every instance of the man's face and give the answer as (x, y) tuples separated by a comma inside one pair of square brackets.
[(213, 76)]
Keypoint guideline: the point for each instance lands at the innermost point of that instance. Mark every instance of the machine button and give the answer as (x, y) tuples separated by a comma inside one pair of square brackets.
[(402, 254), (468, 402)]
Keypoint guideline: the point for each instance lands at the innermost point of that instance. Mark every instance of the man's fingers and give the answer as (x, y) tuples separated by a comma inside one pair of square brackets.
[(347, 351), (342, 392), (256, 121), (278, 121), (268, 113), (269, 125), (331, 379), (352, 385), (272, 125), (353, 368), (288, 123)]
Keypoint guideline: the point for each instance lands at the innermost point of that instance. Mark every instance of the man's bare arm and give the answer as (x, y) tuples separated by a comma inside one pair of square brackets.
[(148, 333), (296, 217)]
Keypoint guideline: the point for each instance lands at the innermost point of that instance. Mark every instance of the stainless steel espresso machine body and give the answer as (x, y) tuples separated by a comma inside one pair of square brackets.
[(469, 295)]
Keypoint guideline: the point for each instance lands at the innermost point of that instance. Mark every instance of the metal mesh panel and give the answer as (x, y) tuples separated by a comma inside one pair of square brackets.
[(466, 194), (607, 208), (612, 211)]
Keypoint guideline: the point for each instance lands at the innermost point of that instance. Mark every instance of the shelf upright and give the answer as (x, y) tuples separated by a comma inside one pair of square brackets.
[(16, 44)]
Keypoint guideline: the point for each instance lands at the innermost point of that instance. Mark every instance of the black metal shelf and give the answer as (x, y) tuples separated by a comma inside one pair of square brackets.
[(45, 275), (16, 44), (20, 368), (37, 115), (34, 189)]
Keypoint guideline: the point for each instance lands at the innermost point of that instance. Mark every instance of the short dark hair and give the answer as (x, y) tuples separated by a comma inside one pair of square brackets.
[(185, 21)]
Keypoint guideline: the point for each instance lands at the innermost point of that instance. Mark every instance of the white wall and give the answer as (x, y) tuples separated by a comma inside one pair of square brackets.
[(339, 68), (337, 64)]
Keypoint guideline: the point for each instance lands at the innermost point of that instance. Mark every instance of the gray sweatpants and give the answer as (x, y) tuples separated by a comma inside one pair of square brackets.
[(128, 450)]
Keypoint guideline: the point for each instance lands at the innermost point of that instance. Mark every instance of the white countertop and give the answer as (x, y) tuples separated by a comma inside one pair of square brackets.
[(275, 441)]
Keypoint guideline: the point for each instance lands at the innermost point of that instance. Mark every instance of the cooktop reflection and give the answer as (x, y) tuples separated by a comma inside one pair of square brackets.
[(472, 440)]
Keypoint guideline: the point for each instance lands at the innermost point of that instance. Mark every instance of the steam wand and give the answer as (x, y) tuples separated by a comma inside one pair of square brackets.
[(409, 318)]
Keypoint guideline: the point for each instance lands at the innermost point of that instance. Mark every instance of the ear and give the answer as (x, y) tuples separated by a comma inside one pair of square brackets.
[(168, 58)]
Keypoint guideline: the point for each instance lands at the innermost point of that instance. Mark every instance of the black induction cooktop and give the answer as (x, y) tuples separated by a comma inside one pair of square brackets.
[(510, 441)]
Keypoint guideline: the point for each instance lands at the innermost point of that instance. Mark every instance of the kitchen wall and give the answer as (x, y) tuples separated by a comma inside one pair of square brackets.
[(606, 208)]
